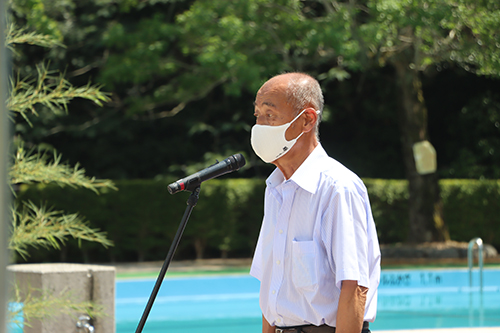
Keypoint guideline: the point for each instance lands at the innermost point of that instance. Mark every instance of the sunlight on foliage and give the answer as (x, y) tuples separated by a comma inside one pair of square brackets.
[(49, 90), (17, 35), (38, 226), (435, 31), (30, 167), (42, 227)]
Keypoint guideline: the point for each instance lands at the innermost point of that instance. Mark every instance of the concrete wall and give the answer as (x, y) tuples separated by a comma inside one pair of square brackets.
[(82, 282)]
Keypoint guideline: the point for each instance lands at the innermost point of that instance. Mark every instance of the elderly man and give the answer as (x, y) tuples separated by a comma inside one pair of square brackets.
[(317, 256)]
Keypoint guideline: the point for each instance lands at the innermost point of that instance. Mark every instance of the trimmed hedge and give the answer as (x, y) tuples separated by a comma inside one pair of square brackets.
[(142, 217), (472, 209)]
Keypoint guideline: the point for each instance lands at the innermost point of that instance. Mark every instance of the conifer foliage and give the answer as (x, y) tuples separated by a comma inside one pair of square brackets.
[(37, 225), (51, 91)]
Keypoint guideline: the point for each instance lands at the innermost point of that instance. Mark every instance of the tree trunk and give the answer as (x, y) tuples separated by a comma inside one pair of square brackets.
[(199, 246), (425, 204)]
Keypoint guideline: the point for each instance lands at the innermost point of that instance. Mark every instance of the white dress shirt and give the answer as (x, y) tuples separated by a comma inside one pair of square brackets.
[(317, 231)]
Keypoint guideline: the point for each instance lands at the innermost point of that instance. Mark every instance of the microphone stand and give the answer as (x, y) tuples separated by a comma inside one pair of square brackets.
[(191, 203)]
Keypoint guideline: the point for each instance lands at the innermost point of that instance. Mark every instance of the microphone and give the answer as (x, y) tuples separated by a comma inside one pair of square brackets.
[(190, 183)]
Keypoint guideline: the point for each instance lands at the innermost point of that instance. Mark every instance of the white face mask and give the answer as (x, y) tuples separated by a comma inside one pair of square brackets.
[(269, 142)]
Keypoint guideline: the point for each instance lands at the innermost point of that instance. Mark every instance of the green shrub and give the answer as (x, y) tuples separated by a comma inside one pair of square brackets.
[(389, 203), (141, 218), (472, 209)]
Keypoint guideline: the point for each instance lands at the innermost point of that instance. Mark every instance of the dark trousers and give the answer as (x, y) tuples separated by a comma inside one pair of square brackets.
[(316, 329)]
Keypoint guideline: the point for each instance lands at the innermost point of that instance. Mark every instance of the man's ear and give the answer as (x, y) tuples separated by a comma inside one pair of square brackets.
[(311, 119)]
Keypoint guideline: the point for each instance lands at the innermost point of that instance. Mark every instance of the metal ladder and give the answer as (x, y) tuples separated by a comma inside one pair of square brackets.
[(479, 243)]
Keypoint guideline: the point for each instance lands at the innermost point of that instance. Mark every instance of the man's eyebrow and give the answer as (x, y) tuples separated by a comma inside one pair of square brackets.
[(266, 103)]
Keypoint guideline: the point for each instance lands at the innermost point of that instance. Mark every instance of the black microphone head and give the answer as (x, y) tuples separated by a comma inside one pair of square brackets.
[(239, 161), (174, 188)]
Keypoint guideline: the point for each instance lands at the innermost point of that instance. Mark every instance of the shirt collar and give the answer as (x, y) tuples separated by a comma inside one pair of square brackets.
[(306, 176)]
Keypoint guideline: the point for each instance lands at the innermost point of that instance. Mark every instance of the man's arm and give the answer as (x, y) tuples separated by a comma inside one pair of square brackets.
[(266, 327), (351, 307)]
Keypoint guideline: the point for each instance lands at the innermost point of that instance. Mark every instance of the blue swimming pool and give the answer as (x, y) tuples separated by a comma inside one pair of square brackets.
[(407, 299)]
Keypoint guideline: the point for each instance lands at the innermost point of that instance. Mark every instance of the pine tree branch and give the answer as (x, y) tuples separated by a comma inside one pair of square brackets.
[(51, 91), (42, 227), (30, 167), (17, 35)]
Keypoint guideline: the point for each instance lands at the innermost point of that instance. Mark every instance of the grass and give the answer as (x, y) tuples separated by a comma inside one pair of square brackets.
[(151, 274), (177, 274)]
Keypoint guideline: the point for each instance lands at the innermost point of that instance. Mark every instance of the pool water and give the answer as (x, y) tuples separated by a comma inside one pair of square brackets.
[(408, 299), (221, 303), (437, 299)]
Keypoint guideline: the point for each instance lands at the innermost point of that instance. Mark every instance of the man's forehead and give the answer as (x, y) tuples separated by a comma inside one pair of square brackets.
[(270, 95), (276, 84)]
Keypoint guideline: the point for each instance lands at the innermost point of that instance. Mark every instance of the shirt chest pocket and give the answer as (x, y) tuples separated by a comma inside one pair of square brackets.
[(304, 267)]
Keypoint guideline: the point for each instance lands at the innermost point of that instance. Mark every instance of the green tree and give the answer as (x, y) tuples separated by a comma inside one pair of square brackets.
[(36, 226), (410, 36), (241, 42), (39, 226), (211, 59), (202, 61)]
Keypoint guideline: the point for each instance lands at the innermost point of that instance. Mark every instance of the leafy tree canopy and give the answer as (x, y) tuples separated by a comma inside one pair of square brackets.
[(202, 61), (462, 32)]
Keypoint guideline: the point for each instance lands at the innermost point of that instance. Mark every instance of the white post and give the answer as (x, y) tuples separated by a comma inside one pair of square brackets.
[(4, 191)]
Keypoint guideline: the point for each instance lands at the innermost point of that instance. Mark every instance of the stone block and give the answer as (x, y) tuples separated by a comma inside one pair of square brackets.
[(82, 282)]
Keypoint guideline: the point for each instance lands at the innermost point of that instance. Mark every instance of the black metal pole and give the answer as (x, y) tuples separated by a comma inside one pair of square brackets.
[(193, 199)]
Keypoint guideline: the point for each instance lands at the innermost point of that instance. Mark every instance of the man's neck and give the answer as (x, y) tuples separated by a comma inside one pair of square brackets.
[(291, 161)]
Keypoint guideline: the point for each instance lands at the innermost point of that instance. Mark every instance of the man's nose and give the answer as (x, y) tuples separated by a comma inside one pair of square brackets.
[(260, 120)]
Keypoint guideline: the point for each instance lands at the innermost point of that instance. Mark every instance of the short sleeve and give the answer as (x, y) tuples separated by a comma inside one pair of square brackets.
[(347, 237)]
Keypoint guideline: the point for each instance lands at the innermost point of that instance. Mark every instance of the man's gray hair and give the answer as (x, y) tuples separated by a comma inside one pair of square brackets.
[(303, 92)]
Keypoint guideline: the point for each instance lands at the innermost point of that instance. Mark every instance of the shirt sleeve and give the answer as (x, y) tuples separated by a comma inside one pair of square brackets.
[(346, 223), (255, 268)]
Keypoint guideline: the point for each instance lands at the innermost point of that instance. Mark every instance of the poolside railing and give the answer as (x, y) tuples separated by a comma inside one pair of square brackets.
[(479, 242)]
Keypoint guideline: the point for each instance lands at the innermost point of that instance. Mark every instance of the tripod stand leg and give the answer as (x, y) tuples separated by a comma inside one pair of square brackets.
[(191, 203)]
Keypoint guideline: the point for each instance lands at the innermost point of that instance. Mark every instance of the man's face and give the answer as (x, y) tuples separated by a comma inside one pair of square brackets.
[(271, 107)]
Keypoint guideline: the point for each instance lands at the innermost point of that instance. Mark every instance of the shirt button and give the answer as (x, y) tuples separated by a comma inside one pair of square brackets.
[(281, 231), (278, 320), (274, 292), (278, 262)]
